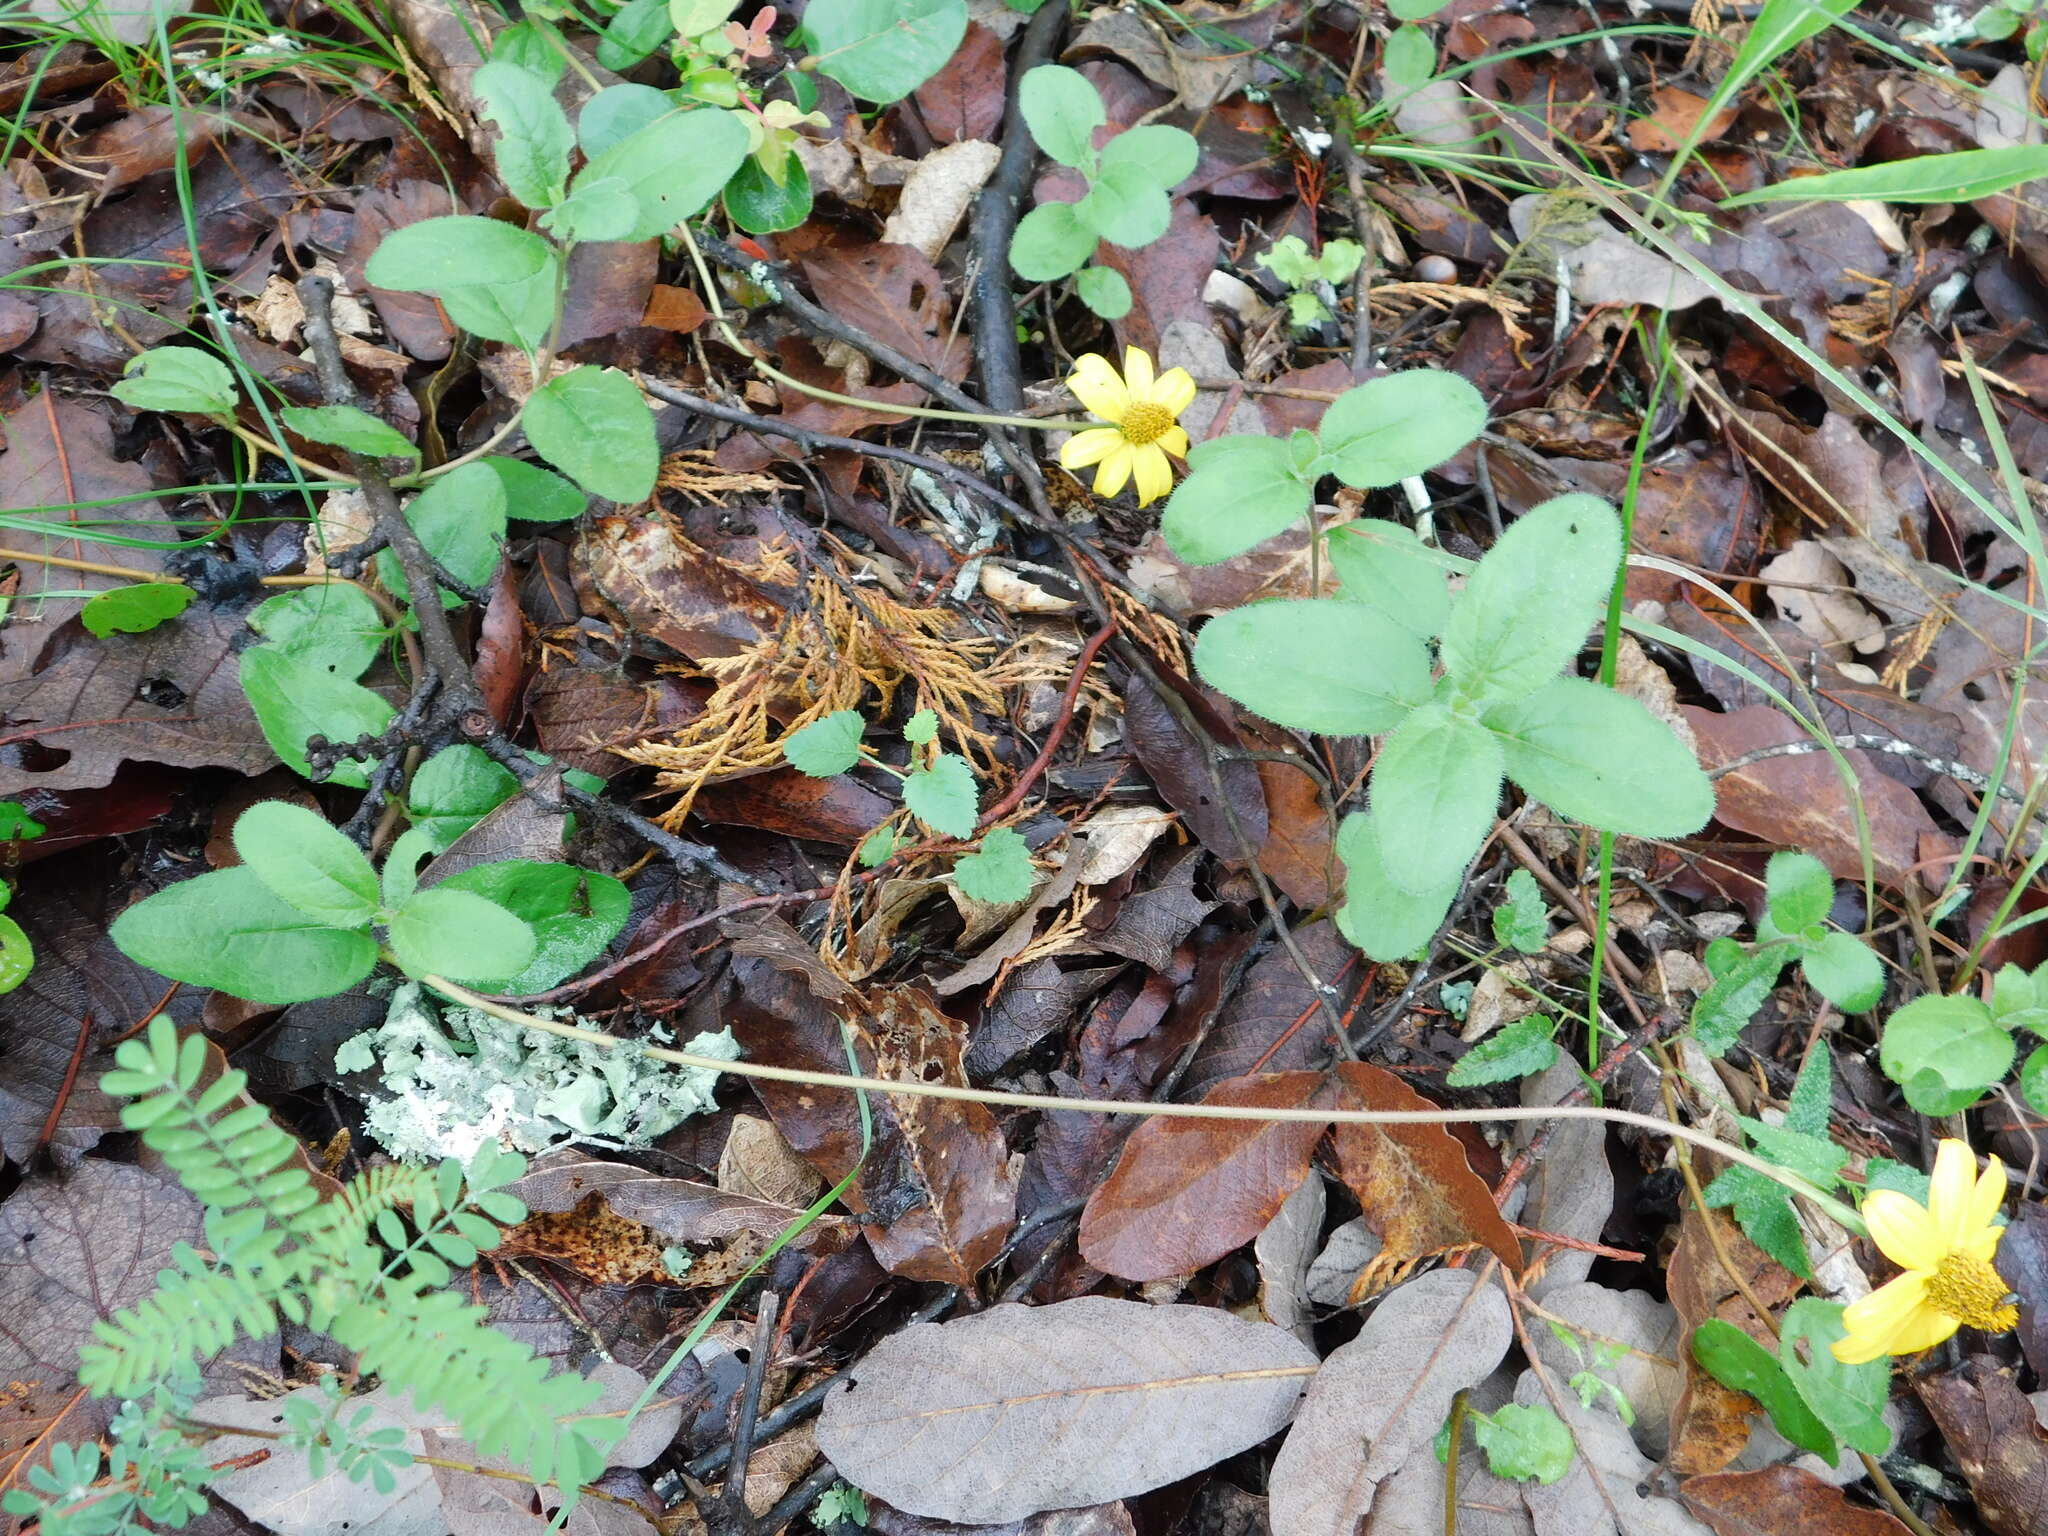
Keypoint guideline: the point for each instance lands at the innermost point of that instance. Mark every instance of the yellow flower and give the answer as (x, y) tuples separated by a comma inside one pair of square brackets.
[(1945, 1248), (1143, 415)]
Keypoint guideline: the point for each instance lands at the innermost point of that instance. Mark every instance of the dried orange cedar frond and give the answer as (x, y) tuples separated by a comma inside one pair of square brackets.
[(833, 652), (695, 472)]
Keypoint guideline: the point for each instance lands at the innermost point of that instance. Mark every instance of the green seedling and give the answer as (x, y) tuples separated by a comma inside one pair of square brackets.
[(1312, 279)]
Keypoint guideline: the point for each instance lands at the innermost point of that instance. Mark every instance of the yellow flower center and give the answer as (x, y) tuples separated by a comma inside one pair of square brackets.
[(1969, 1290), (1145, 422)]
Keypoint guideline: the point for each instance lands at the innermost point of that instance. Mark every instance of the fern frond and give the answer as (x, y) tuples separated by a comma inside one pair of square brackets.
[(196, 1310)]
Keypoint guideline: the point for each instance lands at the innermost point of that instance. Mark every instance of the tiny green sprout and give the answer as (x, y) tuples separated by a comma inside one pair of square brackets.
[(1308, 276), (922, 727), (841, 1504), (15, 822)]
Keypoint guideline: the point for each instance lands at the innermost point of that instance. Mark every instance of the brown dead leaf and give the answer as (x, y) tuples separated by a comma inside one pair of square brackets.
[(1270, 1022), (1671, 119), (579, 712), (837, 810), (665, 587), (674, 309), (1993, 1432), (896, 296), (1179, 766), (1189, 1191), (1710, 1423), (964, 100), (1799, 802), (758, 1163), (1412, 1181), (1297, 852), (1781, 1501)]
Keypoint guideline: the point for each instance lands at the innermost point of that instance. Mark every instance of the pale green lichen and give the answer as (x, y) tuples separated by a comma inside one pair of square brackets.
[(458, 1078)]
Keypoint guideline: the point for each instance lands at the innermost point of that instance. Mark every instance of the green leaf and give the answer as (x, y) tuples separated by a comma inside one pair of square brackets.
[(520, 314), (1435, 789), (1525, 1442), (1848, 1399), (533, 494), (230, 931), (2034, 1080), (457, 251), (1409, 59), (534, 138), (1521, 1049), (1945, 1053), (1845, 971), (598, 209), (1162, 155), (828, 746), (1738, 1362), (1763, 1209), (882, 50), (1126, 207), (694, 18), (1528, 604), (922, 728), (460, 518), (618, 112), (1414, 10), (636, 29), (1959, 177), (1599, 757), (307, 863), (1724, 1010), (531, 45), (1379, 917), (1051, 241), (177, 379), (761, 205), (1799, 891), (1062, 111), (334, 629), (1813, 1157), (593, 426), (1522, 921), (17, 955), (573, 914), (1240, 491), (1884, 1173), (999, 870), (2019, 1000), (460, 935), (455, 789), (1400, 425), (1385, 566), (135, 609), (1104, 291), (1315, 664), (294, 699), (16, 823), (348, 427), (674, 166), (879, 846), (1780, 26), (943, 796)]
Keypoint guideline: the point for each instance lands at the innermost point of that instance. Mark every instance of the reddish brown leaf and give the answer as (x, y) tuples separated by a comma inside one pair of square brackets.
[(1179, 767), (501, 647), (838, 810), (1709, 1423), (1296, 854), (965, 99), (1781, 1501), (1995, 1436), (580, 712), (1799, 802), (1672, 117), (674, 309), (415, 320), (610, 285), (668, 589), (1413, 1183), (896, 296), (1189, 1191), (1271, 1022)]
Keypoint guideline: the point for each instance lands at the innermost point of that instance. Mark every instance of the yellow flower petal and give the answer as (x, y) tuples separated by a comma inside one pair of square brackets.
[(1175, 441), (1090, 447), (1155, 475), (1096, 386), (1949, 1197), (1879, 1320), (1923, 1330), (1903, 1230), (1175, 390), (1988, 1197), (1138, 372), (1983, 1243), (1115, 470)]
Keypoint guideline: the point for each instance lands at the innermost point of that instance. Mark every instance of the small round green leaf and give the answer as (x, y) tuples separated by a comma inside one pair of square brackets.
[(944, 796), (459, 935), (1240, 491), (1526, 1442), (593, 426), (1315, 664), (1798, 890), (1162, 155), (1062, 111), (1126, 207), (1051, 241), (295, 700), (1410, 58), (828, 746), (674, 165), (335, 628), (307, 863), (1845, 971), (460, 518), (1945, 1053), (536, 495), (1104, 291), (761, 205), (17, 955), (135, 610), (455, 252), (177, 379), (999, 870)]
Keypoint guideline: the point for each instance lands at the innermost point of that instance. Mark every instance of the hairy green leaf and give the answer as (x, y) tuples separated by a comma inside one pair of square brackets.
[(1528, 604), (1315, 665), (307, 863), (1240, 491), (230, 931), (1599, 757), (1399, 425), (1435, 789), (1945, 1053), (1062, 111), (592, 425)]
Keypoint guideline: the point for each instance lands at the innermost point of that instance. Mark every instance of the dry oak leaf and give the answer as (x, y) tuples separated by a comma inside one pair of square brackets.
[(1022, 1409), (1781, 1501), (1382, 1395), (1412, 1181), (1189, 1191), (1995, 1435)]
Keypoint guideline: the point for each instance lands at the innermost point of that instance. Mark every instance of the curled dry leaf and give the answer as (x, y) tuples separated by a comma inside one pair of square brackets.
[(1382, 1395), (1412, 1181), (1189, 1191), (1781, 1501), (1996, 1438), (1022, 1409)]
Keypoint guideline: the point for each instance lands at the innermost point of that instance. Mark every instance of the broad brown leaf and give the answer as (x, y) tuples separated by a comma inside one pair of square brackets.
[(1022, 1409), (1189, 1191), (1262, 1027), (1781, 1501), (1710, 1423), (1412, 1181), (667, 588), (1179, 766), (1996, 1438), (894, 295)]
